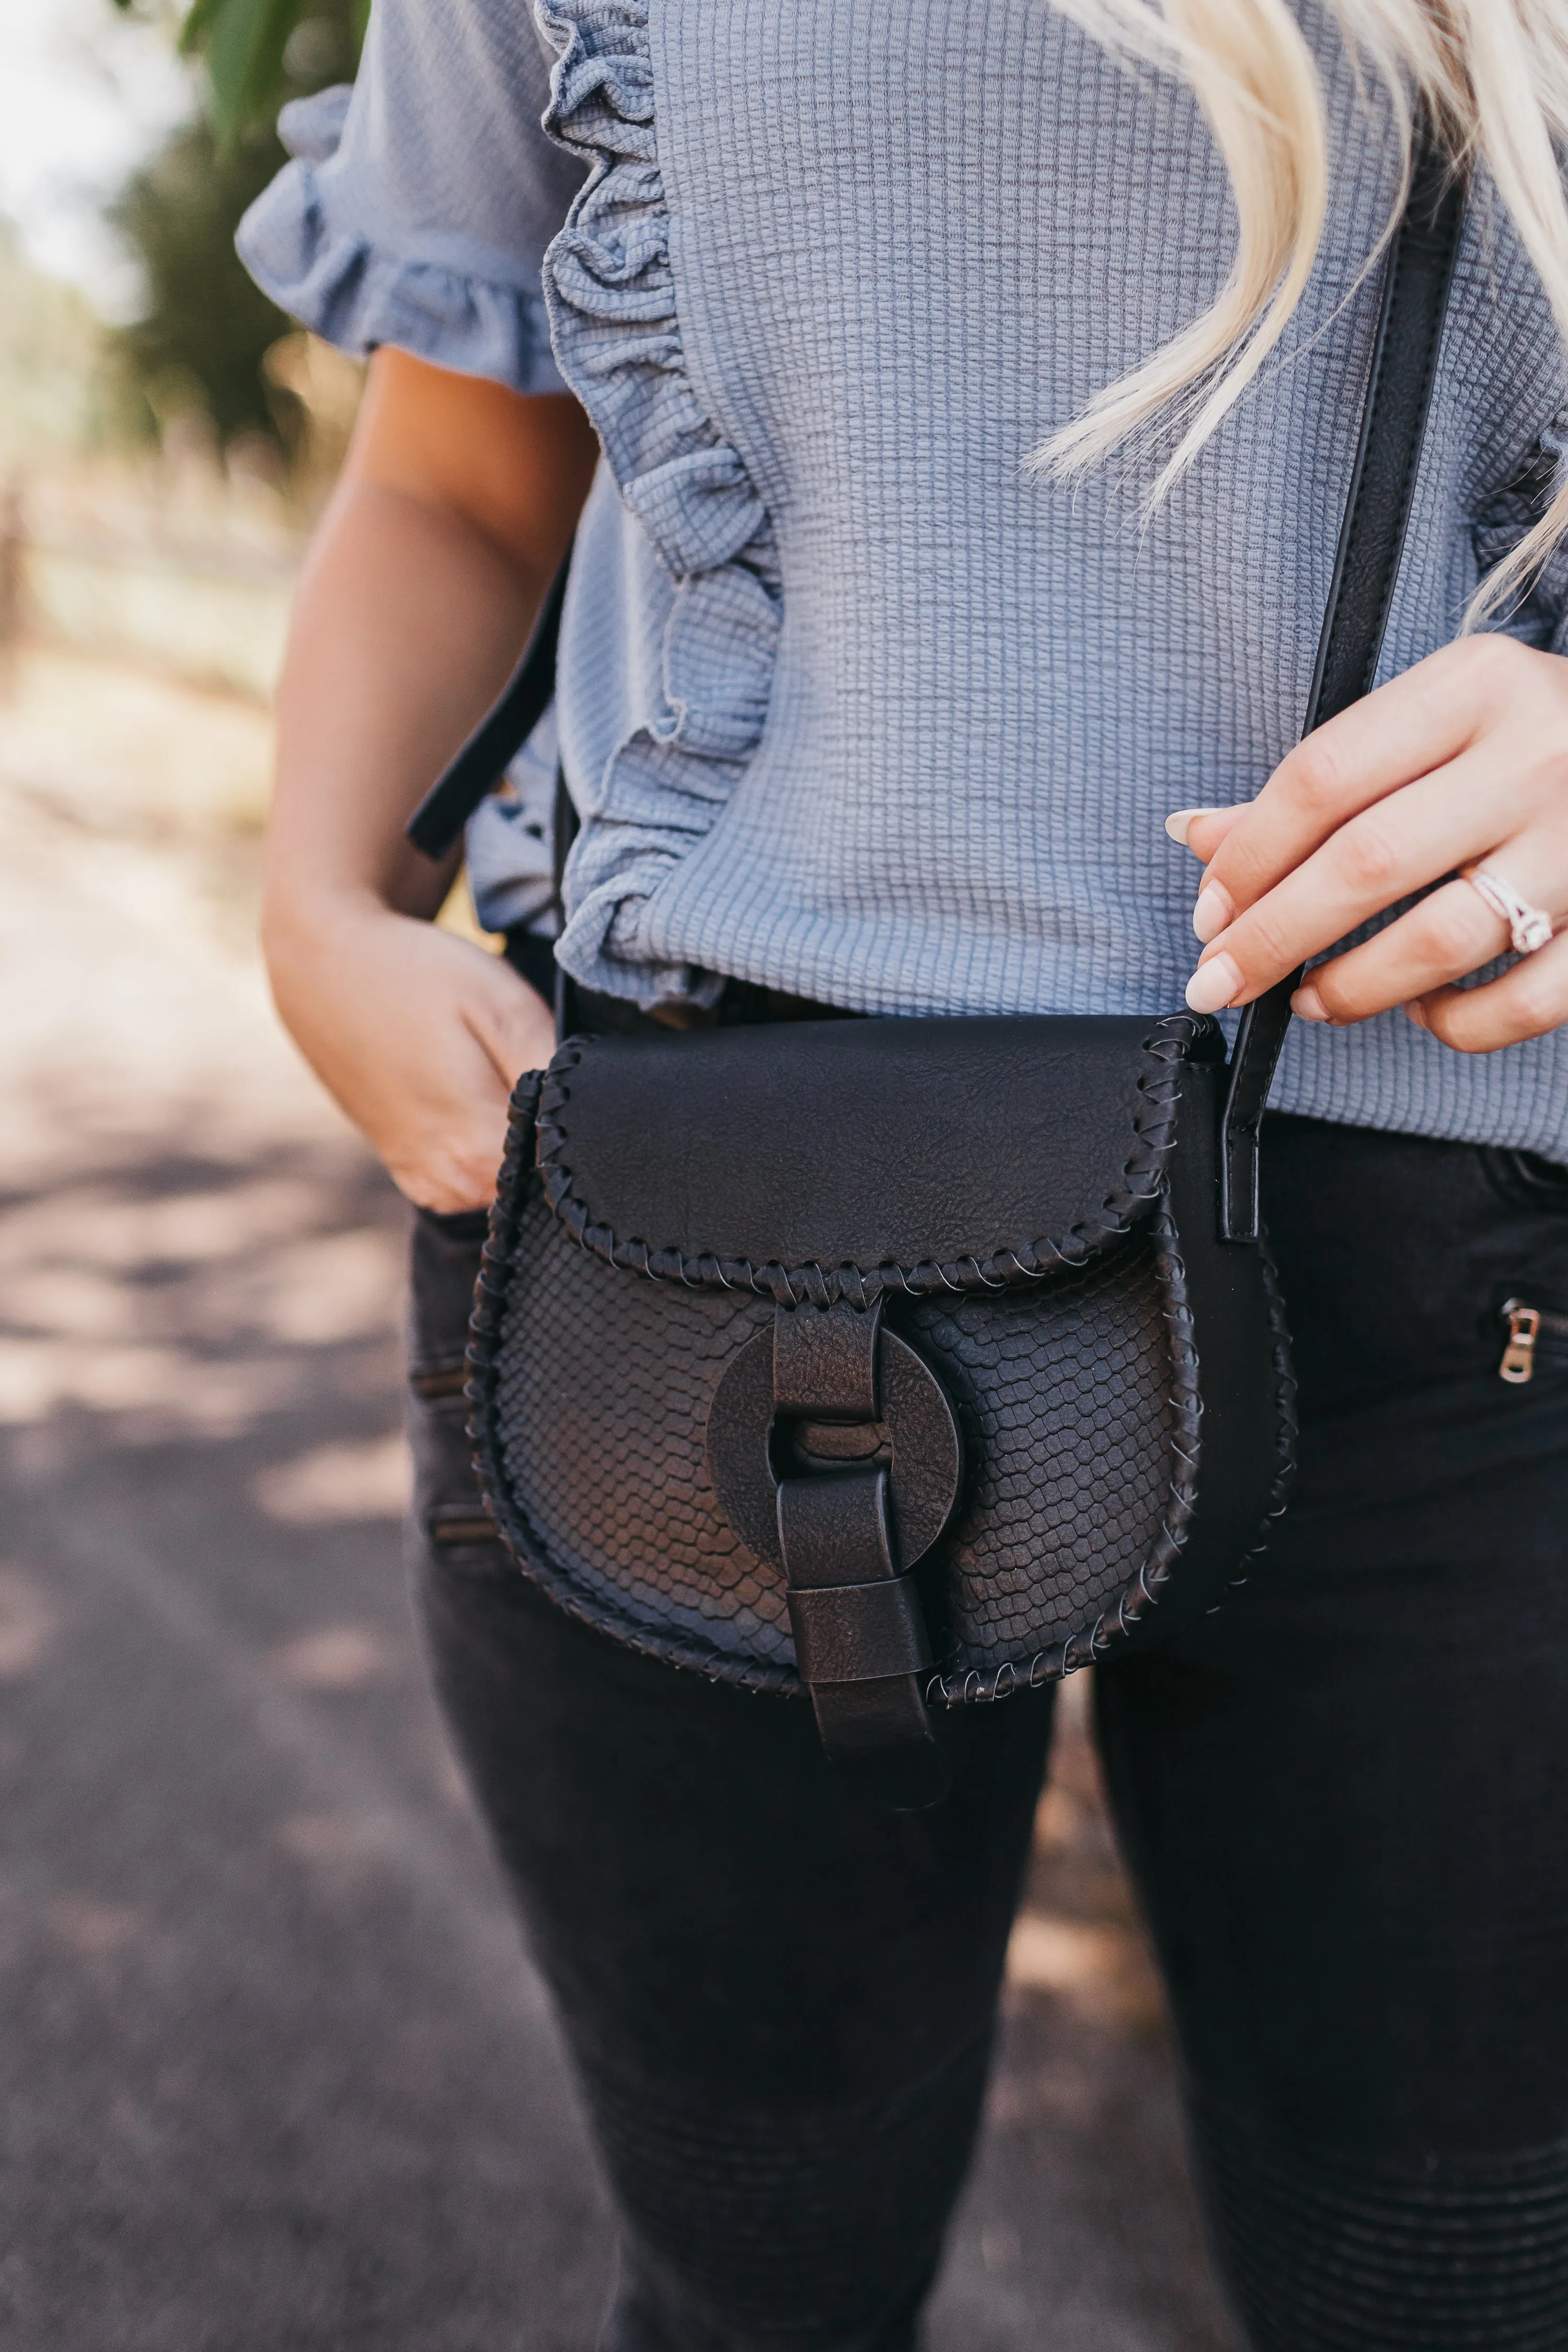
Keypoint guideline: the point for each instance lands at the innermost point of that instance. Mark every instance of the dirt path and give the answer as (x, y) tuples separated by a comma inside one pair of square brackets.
[(276, 2075)]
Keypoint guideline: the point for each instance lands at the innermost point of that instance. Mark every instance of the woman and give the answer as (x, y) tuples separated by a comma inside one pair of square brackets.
[(863, 705)]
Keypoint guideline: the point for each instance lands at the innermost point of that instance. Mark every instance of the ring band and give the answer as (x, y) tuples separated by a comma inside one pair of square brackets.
[(1529, 928)]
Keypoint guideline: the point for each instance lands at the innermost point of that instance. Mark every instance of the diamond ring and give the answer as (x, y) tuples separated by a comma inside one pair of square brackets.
[(1529, 928)]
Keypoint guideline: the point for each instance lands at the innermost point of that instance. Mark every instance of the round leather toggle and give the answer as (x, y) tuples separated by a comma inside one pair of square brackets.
[(924, 1476)]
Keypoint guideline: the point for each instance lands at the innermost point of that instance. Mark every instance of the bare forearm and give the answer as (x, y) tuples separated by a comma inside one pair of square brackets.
[(457, 506), (406, 626)]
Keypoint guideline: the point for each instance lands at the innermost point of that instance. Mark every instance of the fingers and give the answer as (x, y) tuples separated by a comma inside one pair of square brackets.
[(1451, 933), (1529, 1000), (453, 1171), (1406, 842), (440, 1119), (449, 1162), (1463, 760), (513, 1023), (1202, 830), (443, 1152), (1422, 720), (420, 1036)]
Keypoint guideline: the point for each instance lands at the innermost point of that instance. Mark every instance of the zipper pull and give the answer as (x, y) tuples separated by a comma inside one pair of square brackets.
[(1518, 1363)]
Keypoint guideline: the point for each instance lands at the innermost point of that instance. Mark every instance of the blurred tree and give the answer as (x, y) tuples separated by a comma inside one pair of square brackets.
[(257, 53), (199, 343), (199, 346)]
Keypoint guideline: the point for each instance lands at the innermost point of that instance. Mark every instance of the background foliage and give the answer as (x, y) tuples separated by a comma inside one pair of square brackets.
[(199, 346), (257, 52)]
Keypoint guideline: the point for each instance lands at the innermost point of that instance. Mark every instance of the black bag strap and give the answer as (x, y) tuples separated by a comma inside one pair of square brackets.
[(1366, 566), (500, 736)]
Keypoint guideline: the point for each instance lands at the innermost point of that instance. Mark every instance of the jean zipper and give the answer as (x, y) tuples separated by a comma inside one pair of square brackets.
[(1527, 1327)]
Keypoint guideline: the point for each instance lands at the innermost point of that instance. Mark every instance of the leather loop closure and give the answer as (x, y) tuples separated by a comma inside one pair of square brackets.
[(834, 1530), (824, 1361), (859, 1632), (752, 1444), (854, 1619), (861, 1640)]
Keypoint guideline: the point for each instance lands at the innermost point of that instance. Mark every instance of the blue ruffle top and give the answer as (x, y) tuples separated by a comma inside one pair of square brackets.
[(849, 704)]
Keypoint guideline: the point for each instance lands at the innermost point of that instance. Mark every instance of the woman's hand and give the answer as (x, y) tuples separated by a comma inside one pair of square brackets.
[(1461, 762), (455, 505), (420, 1036)]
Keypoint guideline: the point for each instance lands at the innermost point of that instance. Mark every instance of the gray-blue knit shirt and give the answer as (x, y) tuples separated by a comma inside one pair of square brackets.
[(848, 703)]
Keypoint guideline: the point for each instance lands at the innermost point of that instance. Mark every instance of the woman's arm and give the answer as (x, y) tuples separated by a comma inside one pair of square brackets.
[(1461, 762), (457, 501)]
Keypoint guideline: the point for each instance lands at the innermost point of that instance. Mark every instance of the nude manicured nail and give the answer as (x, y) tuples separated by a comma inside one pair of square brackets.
[(1213, 984), (1178, 824), (1417, 1012), (1213, 911), (1308, 1005)]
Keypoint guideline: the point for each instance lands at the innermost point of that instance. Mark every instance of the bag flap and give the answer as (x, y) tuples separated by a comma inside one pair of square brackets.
[(841, 1158)]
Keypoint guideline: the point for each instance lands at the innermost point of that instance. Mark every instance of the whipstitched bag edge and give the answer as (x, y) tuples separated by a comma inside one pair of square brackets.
[(1128, 1204)]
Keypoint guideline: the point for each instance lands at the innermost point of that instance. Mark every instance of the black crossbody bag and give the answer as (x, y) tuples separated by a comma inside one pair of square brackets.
[(910, 1362)]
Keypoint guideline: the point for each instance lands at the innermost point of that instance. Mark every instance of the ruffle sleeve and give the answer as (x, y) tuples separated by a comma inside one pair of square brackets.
[(418, 204)]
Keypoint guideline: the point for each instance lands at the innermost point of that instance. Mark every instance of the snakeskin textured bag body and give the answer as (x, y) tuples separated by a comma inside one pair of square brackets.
[(912, 1363), (898, 1358)]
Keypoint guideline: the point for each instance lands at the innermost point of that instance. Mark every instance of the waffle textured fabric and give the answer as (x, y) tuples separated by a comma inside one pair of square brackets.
[(850, 703)]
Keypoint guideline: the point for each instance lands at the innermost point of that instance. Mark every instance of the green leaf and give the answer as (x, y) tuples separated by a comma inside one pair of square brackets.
[(197, 26), (241, 43)]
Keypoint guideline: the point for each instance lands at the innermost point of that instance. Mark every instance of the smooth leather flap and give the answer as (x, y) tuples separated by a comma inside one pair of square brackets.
[(819, 1154)]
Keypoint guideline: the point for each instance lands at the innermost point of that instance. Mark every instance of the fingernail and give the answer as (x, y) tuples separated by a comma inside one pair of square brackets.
[(1417, 1012), (1213, 984), (1308, 1005), (1178, 824), (1213, 911)]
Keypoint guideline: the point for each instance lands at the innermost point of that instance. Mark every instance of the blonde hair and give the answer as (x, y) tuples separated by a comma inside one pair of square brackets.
[(1494, 75)]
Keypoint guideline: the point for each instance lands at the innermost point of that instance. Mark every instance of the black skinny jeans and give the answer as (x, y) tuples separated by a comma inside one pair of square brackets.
[(1343, 1799)]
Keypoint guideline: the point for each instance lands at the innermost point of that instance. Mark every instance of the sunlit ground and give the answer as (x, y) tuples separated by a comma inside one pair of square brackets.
[(275, 2072)]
